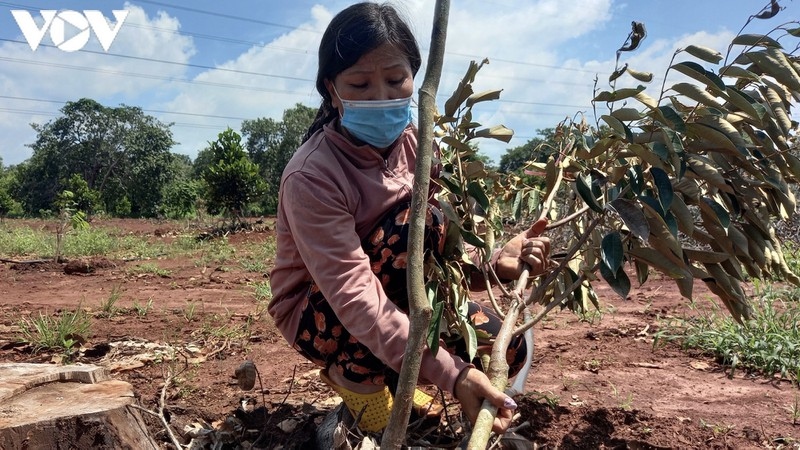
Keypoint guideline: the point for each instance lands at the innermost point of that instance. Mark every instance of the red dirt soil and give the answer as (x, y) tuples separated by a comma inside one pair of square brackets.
[(593, 385)]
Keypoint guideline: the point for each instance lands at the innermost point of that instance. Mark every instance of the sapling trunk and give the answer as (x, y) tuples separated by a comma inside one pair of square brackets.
[(419, 307)]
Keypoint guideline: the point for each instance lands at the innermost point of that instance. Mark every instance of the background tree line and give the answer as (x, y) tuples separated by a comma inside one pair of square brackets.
[(117, 162)]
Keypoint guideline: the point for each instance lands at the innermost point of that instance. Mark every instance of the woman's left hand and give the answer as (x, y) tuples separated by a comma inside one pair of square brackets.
[(528, 247)]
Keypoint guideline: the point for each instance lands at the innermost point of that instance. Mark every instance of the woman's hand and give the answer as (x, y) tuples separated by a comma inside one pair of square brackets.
[(472, 387), (528, 247)]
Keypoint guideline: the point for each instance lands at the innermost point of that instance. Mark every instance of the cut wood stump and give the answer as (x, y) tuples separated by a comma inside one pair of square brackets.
[(54, 407)]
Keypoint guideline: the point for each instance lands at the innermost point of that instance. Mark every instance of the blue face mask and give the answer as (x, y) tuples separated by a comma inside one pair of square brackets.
[(377, 122)]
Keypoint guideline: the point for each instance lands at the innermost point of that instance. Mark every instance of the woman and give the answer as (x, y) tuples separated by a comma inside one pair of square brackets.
[(339, 276)]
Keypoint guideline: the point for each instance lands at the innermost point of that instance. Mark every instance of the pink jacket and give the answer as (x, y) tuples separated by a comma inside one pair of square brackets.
[(332, 195)]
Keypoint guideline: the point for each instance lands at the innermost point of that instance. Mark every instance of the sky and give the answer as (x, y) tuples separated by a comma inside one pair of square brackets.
[(205, 65)]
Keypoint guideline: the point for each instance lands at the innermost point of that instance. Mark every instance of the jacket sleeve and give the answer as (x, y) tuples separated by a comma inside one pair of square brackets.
[(325, 235)]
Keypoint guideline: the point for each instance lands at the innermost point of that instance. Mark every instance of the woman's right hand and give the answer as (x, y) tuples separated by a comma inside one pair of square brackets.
[(472, 387)]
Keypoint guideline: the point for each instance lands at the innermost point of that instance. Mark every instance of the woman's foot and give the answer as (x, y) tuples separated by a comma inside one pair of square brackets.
[(370, 409)]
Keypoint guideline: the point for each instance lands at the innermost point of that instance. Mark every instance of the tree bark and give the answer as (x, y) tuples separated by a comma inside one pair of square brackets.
[(420, 308), (47, 406)]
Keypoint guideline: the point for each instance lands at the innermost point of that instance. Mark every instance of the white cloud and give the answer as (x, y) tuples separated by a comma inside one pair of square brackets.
[(54, 75), (544, 54)]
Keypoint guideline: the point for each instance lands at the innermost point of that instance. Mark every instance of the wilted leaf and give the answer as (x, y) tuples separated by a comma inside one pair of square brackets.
[(755, 40), (484, 96), (619, 94), (716, 138), (697, 94), (738, 72), (646, 154), (498, 132), (617, 73), (644, 77), (704, 53), (627, 114), (703, 256), (632, 216), (635, 37), (775, 64), (655, 259), (682, 215), (774, 9)]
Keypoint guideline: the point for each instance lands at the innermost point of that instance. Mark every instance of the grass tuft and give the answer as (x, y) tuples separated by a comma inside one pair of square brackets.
[(769, 344)]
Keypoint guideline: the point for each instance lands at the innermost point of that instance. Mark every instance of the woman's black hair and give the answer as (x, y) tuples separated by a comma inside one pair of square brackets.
[(357, 30)]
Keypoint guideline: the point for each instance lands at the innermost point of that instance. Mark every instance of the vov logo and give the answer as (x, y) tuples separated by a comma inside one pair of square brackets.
[(81, 25)]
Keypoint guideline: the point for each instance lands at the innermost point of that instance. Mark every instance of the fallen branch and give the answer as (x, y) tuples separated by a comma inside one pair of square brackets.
[(160, 413)]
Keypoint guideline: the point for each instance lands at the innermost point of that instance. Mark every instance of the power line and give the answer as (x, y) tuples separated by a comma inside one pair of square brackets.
[(152, 77), (174, 63), (216, 84), (291, 27), (158, 111), (229, 16)]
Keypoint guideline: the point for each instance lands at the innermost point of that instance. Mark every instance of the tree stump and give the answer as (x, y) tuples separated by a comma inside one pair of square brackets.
[(55, 407)]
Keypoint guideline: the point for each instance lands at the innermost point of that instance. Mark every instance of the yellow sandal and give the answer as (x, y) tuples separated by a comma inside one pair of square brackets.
[(377, 406)]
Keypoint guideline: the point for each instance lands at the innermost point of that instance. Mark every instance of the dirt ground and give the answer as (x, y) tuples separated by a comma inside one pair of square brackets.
[(595, 384)]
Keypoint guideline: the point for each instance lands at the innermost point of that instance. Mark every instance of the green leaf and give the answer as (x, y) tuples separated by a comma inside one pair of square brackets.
[(516, 208), (675, 120), (636, 177), (746, 104), (663, 186), (696, 71), (436, 320), (704, 53), (468, 332), (648, 199), (583, 186), (472, 238), (611, 251), (755, 40), (722, 214), (618, 126), (475, 190), (451, 186), (632, 216), (618, 280)]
